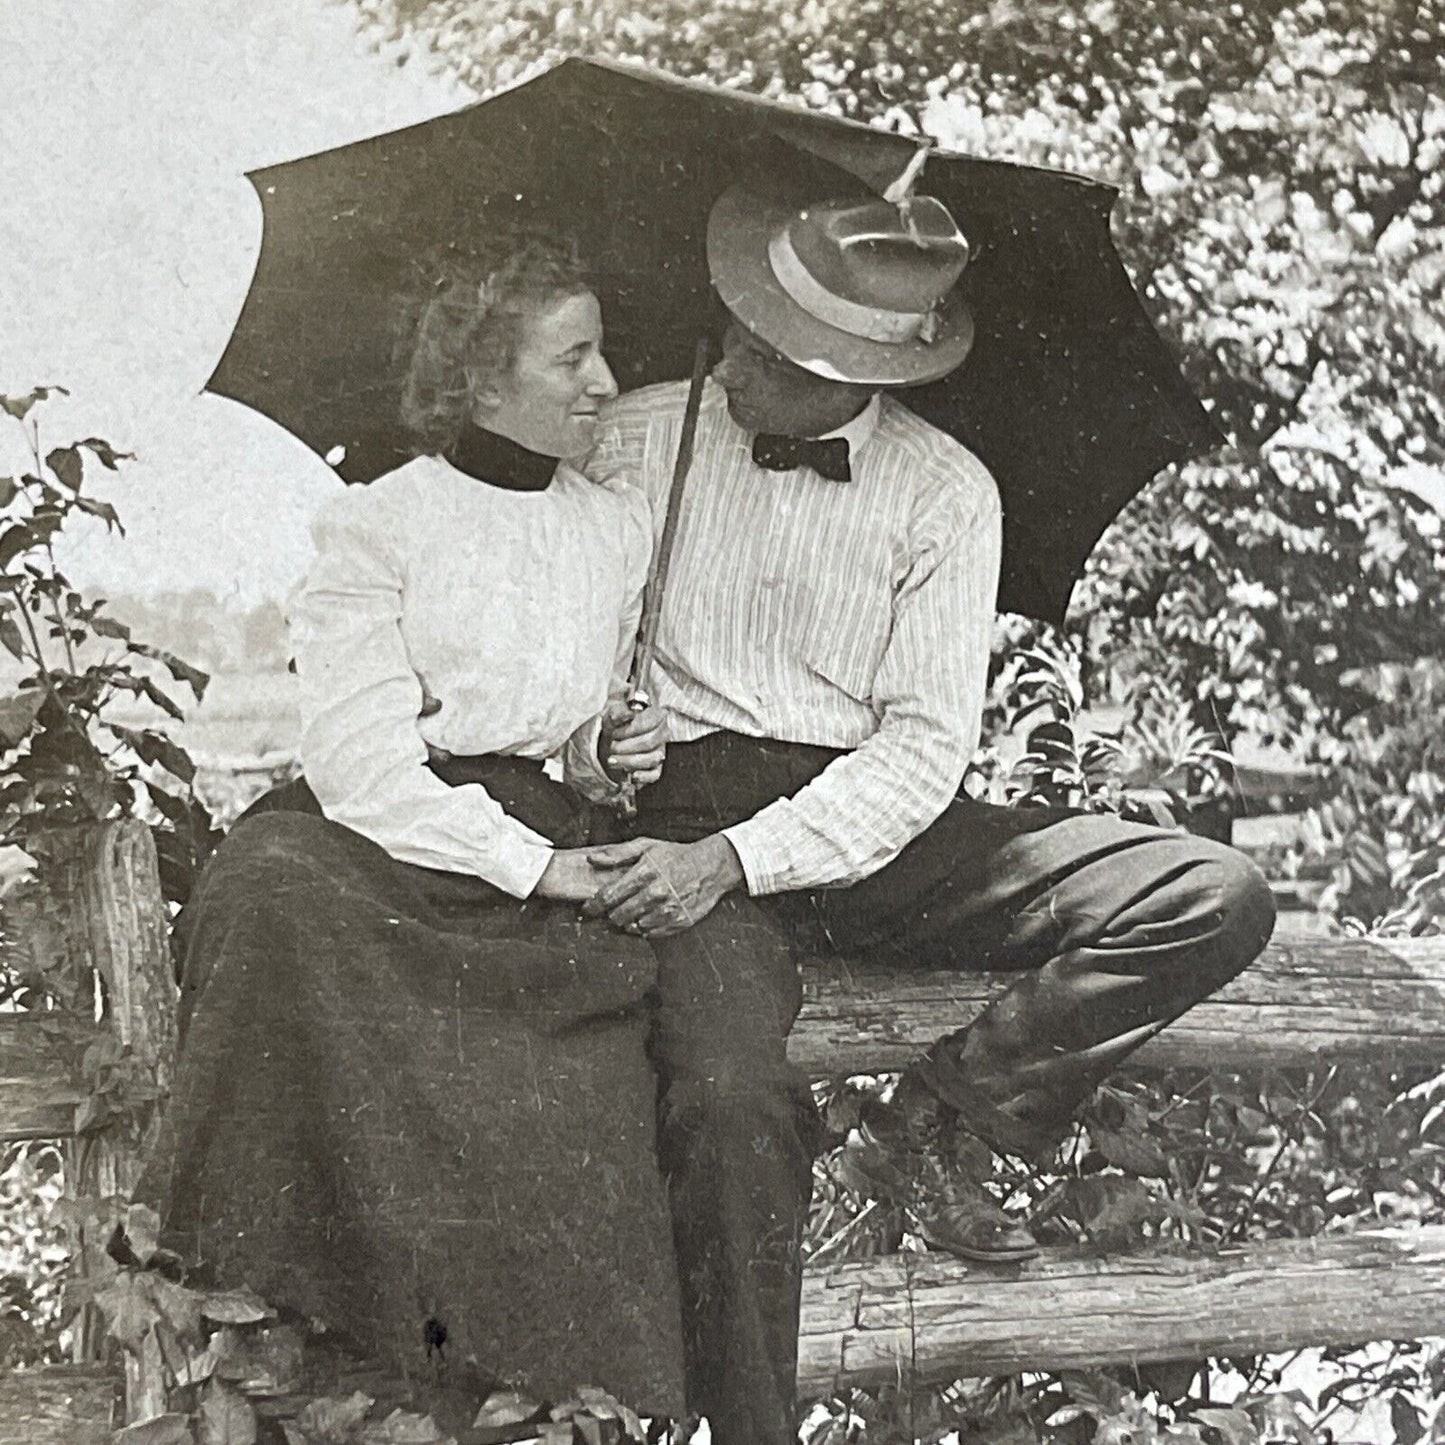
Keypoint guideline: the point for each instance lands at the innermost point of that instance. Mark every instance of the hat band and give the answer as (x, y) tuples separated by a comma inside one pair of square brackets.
[(871, 323)]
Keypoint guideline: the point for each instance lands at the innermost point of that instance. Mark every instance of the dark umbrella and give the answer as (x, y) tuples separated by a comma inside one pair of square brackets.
[(1069, 396)]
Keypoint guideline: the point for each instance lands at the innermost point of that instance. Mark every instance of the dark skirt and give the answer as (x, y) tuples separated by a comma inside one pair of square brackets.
[(409, 1106)]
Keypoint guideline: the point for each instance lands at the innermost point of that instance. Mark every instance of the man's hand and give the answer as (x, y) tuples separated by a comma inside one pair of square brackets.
[(663, 888), (631, 745)]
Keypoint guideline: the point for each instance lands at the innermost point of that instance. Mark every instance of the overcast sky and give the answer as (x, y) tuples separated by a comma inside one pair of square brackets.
[(127, 238)]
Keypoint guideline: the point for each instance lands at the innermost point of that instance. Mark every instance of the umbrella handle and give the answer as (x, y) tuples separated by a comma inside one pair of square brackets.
[(626, 800)]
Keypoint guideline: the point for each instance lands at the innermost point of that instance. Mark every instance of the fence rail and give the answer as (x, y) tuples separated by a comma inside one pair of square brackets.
[(1303, 1001), (899, 1317)]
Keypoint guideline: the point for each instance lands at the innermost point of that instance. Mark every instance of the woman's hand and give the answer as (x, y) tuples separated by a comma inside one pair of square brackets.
[(568, 877), (632, 745)]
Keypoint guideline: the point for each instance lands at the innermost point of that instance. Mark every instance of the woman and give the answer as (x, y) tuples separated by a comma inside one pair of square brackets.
[(413, 1100)]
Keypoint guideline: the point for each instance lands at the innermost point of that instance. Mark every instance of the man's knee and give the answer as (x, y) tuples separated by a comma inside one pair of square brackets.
[(1241, 902), (1249, 904)]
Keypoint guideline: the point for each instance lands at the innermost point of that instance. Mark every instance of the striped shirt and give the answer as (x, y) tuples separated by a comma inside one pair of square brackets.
[(852, 615)]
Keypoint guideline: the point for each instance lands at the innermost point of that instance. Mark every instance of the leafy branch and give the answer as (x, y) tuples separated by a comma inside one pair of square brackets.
[(68, 761)]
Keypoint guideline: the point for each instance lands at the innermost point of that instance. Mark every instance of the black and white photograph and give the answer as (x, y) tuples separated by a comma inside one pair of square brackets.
[(722, 723)]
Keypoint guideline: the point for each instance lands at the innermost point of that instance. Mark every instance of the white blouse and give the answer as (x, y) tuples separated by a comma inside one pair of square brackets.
[(515, 611)]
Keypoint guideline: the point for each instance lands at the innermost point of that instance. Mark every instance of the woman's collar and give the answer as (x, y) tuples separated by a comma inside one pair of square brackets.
[(499, 461)]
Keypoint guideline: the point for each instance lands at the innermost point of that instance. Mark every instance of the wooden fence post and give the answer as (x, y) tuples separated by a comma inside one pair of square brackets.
[(101, 926)]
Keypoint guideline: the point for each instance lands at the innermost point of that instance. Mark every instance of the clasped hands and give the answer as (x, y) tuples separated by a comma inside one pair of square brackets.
[(645, 886)]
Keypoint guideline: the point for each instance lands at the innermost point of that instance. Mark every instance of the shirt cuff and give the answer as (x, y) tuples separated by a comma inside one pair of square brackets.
[(519, 862), (763, 871)]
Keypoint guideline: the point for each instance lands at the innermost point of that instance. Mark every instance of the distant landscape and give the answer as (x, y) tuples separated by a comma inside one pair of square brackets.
[(248, 719)]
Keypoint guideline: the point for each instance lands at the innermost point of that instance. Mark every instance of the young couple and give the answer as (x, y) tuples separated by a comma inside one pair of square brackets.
[(461, 1078)]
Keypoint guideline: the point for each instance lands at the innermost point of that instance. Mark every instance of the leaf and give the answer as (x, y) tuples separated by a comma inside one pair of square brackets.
[(17, 868), (66, 464), (1095, 1392), (236, 1307), (156, 748), (142, 1228), (45, 522), (200, 1366), (333, 1419), (1132, 1151), (109, 627), (264, 1362), (128, 1309), (104, 511), (1187, 1434), (159, 1430), (19, 406), (17, 716), (1405, 1419), (182, 671), (225, 1417), (12, 637), (180, 1307), (505, 1407), (403, 1428), (161, 700), (15, 540), (9, 490), (105, 453), (175, 810), (1234, 1425)]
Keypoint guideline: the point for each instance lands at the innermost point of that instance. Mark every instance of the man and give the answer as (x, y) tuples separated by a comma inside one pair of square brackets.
[(823, 662)]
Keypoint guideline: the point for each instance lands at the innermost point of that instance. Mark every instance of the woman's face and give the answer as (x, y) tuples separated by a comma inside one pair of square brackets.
[(559, 380)]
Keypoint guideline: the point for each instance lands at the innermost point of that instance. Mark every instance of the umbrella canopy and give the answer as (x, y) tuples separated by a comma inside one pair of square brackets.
[(1069, 396)]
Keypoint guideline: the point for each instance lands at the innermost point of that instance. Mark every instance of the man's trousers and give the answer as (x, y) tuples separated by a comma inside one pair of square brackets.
[(1114, 930)]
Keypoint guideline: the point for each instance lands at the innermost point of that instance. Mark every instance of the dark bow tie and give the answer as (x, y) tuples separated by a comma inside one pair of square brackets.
[(826, 456)]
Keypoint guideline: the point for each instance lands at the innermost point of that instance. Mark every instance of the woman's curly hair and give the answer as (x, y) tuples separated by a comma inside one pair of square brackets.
[(466, 327)]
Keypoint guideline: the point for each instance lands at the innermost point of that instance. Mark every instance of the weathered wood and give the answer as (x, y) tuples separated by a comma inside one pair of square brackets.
[(931, 1318), (69, 1405), (117, 887), (40, 1083), (98, 928), (1305, 999)]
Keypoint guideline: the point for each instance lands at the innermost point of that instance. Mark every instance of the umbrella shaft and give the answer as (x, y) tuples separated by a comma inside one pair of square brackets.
[(662, 562)]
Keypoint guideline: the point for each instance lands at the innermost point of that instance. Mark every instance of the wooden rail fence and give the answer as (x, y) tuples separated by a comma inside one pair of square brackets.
[(904, 1316)]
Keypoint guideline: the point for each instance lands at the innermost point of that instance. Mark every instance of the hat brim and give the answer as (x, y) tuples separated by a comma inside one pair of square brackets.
[(738, 232)]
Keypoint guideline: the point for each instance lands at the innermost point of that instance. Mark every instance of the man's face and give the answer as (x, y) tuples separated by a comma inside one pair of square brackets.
[(768, 393)]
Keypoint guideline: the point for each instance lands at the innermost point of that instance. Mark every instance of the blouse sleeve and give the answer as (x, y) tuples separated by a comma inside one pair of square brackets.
[(361, 749)]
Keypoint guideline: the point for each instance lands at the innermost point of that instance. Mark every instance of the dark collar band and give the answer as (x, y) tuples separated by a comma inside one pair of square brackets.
[(500, 462)]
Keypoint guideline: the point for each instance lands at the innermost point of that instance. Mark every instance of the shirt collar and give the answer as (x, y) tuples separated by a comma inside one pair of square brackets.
[(859, 432), (499, 461)]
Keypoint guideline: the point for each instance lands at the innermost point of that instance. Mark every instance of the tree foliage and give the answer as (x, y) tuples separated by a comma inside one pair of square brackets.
[(1281, 208)]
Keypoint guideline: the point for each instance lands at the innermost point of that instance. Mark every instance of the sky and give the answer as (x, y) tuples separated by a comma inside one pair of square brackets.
[(128, 235)]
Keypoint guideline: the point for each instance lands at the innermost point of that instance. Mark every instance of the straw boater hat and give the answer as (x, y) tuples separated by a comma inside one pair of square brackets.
[(855, 291)]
